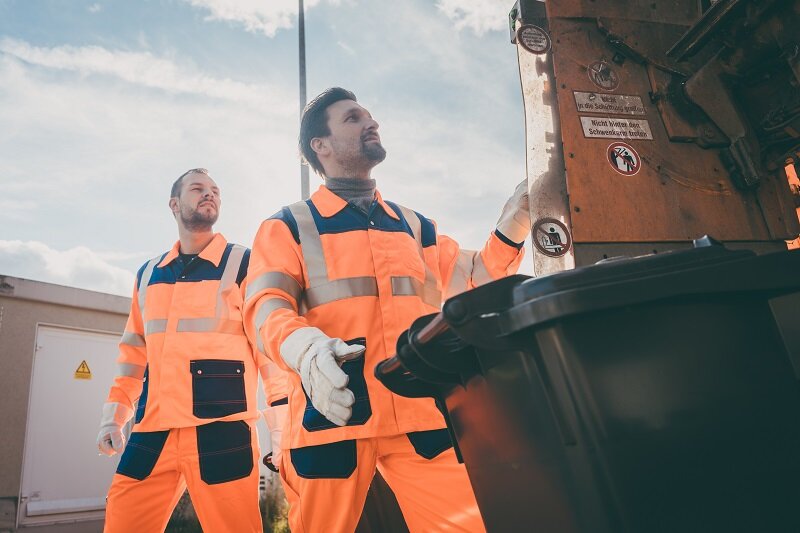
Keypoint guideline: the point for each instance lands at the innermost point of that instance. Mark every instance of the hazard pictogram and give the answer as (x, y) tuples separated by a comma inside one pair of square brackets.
[(83, 371), (551, 237), (603, 76), (623, 158)]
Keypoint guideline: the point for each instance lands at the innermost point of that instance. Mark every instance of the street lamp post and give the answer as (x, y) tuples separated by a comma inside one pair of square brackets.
[(301, 24)]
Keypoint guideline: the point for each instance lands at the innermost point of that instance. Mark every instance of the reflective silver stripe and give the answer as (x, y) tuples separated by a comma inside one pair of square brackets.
[(462, 272), (275, 280), (132, 339), (155, 326), (228, 278), (130, 370), (264, 311), (480, 274), (409, 286), (430, 294), (210, 325), (414, 223), (310, 243), (340, 289), (146, 275)]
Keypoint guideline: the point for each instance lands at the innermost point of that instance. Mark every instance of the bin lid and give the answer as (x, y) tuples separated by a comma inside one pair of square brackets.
[(708, 269)]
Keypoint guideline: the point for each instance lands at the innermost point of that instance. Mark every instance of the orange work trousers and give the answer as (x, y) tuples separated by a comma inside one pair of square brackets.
[(327, 485), (217, 462)]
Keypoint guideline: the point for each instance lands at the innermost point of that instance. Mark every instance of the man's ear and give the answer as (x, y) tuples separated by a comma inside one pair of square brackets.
[(320, 146), (173, 206)]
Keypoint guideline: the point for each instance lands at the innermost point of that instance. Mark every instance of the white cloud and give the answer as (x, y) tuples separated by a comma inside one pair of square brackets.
[(257, 16), (479, 16), (77, 267), (139, 68), (94, 8)]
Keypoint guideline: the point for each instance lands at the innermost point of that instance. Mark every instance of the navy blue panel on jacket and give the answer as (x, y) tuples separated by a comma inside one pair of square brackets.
[(176, 271), (427, 228), (351, 218)]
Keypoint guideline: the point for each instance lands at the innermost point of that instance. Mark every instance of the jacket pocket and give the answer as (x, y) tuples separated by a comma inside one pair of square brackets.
[(141, 404), (336, 460), (225, 450), (429, 444), (141, 453), (313, 420), (217, 388)]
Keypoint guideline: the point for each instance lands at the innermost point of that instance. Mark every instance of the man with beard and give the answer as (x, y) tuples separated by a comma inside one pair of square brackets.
[(186, 360), (333, 281)]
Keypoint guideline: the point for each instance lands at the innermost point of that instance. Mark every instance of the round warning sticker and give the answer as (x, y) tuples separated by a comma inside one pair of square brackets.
[(533, 39), (623, 158), (551, 237), (603, 75)]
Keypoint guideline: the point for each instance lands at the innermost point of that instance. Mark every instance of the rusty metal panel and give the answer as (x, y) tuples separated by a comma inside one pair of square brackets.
[(650, 190), (667, 11)]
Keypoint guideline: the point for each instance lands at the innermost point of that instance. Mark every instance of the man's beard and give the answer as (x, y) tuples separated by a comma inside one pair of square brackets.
[(373, 151), (197, 221)]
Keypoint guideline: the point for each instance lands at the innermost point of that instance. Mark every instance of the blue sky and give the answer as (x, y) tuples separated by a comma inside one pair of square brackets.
[(104, 103)]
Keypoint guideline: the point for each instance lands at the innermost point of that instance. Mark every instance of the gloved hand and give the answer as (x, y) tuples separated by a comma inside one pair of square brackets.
[(275, 416), (316, 357), (515, 220), (111, 440)]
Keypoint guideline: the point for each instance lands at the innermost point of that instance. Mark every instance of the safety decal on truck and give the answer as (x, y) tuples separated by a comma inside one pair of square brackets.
[(617, 104), (551, 237), (533, 39), (603, 75), (83, 371), (616, 128), (623, 158)]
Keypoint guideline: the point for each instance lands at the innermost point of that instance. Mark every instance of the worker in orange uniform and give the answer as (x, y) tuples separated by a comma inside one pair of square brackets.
[(186, 359), (333, 281)]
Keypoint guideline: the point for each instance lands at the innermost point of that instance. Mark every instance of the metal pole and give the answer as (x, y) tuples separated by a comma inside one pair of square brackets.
[(301, 24)]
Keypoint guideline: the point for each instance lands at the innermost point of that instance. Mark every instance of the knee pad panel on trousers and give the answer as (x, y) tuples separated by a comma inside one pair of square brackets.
[(336, 460), (142, 453), (429, 444), (225, 451), (217, 388), (362, 410)]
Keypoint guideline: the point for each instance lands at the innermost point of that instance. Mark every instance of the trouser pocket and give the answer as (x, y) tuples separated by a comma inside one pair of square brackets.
[(313, 420), (142, 453), (217, 388), (336, 460), (429, 444), (225, 450)]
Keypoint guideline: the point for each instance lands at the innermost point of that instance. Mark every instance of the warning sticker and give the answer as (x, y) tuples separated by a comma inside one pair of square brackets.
[(623, 158), (603, 75), (551, 237), (616, 128), (533, 39), (617, 104), (83, 371)]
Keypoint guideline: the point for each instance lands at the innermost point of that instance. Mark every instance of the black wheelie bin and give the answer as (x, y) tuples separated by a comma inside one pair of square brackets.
[(649, 394)]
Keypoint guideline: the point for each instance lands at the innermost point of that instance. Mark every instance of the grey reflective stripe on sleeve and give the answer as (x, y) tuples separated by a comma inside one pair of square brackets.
[(480, 274), (310, 243), (339, 289), (130, 370), (132, 339), (145, 281), (210, 325), (275, 280), (409, 286), (264, 311), (228, 278), (158, 325)]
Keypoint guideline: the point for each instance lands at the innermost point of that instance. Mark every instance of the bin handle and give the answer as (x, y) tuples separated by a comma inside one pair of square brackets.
[(436, 327)]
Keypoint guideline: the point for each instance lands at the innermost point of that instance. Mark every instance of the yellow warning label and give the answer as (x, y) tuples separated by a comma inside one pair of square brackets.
[(83, 371)]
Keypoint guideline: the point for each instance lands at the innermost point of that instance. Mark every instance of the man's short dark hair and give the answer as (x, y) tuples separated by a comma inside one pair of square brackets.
[(314, 123), (176, 187)]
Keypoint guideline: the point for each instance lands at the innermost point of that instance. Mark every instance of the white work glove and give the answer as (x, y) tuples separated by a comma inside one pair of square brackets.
[(316, 357), (275, 417), (515, 220), (111, 440)]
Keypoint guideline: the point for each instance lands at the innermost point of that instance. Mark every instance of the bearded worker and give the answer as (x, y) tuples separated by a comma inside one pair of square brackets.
[(333, 281), (185, 358)]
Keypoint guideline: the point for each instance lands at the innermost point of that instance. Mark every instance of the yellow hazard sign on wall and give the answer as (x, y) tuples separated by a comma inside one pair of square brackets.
[(83, 371)]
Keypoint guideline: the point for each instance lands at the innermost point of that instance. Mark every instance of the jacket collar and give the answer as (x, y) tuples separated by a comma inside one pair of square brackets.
[(211, 253), (328, 204)]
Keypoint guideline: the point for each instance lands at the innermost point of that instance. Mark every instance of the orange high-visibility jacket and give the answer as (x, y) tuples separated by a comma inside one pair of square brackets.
[(184, 354), (364, 279)]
